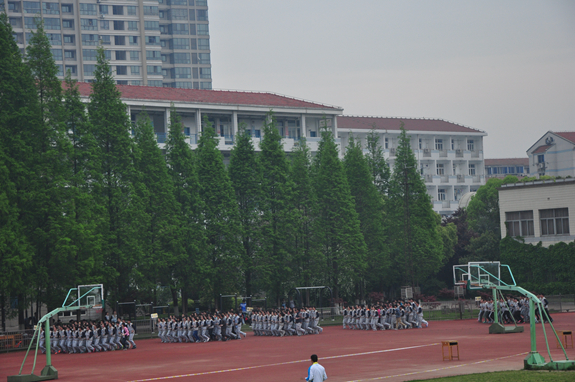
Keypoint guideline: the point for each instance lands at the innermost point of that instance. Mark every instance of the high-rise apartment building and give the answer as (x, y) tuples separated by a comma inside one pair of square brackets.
[(148, 42)]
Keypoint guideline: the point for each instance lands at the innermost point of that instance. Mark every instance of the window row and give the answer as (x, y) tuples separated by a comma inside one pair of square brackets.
[(552, 222), (507, 170), (94, 39), (184, 14), (195, 73), (184, 29), (121, 55), (441, 144), (441, 169)]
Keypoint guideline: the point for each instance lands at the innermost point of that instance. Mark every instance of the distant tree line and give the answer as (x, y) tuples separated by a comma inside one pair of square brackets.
[(87, 196)]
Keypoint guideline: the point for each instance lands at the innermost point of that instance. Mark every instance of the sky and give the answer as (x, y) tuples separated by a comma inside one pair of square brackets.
[(506, 67)]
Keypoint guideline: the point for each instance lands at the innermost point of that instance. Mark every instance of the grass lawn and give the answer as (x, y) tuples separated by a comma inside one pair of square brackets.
[(511, 376)]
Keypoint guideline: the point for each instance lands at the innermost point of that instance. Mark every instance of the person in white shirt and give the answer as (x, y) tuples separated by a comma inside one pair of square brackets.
[(316, 372)]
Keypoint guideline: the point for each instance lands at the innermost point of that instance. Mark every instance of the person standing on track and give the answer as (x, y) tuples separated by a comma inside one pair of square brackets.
[(316, 372)]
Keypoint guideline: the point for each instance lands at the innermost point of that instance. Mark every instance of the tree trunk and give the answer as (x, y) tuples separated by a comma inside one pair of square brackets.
[(184, 301), (175, 300), (3, 312)]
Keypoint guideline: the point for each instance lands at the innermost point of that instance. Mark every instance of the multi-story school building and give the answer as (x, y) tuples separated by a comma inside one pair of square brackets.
[(449, 155)]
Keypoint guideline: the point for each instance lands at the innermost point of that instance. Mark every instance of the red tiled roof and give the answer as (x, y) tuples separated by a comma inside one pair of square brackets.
[(410, 124), (541, 149), (569, 135), (507, 161), (208, 96)]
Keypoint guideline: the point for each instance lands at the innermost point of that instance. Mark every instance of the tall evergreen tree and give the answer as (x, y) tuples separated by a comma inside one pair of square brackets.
[(416, 243), (162, 239), (276, 228), (19, 118), (52, 217), (245, 174), (378, 166), (220, 214), (123, 218), (191, 269), (370, 209), (337, 227), (305, 257)]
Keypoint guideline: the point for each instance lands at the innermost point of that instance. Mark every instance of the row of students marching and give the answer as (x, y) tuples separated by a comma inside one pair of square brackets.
[(201, 328), (391, 316), (89, 337), (511, 309), (286, 321)]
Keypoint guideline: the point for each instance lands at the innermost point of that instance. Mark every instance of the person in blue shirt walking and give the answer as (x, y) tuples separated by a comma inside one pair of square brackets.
[(316, 372)]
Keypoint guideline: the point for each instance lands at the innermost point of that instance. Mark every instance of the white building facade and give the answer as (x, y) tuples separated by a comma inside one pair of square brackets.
[(227, 110), (449, 155), (553, 154), (538, 211)]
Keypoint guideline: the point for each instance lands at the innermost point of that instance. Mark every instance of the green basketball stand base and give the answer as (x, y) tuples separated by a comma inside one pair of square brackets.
[(497, 328), (535, 361), (48, 373)]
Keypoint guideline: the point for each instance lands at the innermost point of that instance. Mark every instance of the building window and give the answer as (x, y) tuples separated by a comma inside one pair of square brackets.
[(121, 70), (420, 144), (118, 10), (181, 58), (57, 54), (118, 25), (89, 69), (132, 25), (12, 6), (206, 85), (201, 3), (386, 143), (89, 24), (203, 44), (441, 194), (203, 29), (32, 7), (439, 144), (204, 58), (72, 69), (60, 68), (88, 9), (51, 8), (68, 24), (30, 22), (554, 221), (178, 2), (105, 40), (67, 8), (471, 169), (122, 82), (183, 85), (121, 55), (206, 73), (193, 30), (136, 82), (153, 55), (119, 40), (180, 29), (70, 54), (89, 54), (470, 145), (519, 223), (133, 40), (134, 55), (132, 11), (152, 69), (135, 70), (440, 169), (152, 25), (153, 40), (151, 10), (453, 144), (202, 15), (180, 43), (55, 39), (192, 15), (156, 83), (104, 25), (541, 158), (182, 72), (104, 9), (179, 14)]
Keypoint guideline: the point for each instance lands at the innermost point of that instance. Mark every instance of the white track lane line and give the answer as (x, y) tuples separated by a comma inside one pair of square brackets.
[(432, 370), (282, 363)]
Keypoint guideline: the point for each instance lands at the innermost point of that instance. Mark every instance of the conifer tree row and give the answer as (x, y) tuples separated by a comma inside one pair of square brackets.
[(87, 196)]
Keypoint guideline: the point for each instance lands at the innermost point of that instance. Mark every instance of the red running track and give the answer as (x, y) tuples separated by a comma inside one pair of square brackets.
[(348, 355)]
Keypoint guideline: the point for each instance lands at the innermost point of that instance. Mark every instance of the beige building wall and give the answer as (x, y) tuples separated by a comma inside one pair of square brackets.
[(536, 196)]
